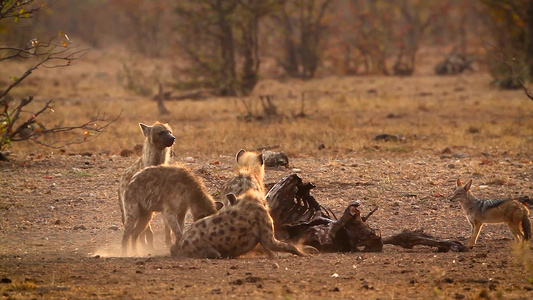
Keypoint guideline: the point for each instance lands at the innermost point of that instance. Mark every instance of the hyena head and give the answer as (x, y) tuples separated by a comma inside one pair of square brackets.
[(462, 191), (250, 160), (159, 135)]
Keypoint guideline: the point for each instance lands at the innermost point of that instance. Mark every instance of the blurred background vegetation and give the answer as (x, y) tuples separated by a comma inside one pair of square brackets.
[(227, 45)]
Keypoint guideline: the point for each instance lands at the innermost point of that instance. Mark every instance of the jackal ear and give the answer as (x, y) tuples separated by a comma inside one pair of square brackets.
[(468, 185), (459, 183), (239, 154), (231, 198), (145, 129), (219, 205)]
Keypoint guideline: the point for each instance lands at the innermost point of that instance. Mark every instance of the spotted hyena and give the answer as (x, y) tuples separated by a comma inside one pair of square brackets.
[(172, 190), (250, 175), (156, 151), (233, 231)]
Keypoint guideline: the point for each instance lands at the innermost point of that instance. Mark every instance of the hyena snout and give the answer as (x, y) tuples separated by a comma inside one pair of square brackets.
[(165, 139)]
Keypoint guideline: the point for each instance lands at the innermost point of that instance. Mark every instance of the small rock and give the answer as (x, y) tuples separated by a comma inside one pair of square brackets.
[(88, 154), (139, 262), (126, 153), (96, 256), (5, 280), (57, 222), (275, 266), (252, 279), (113, 227), (138, 149), (275, 159), (451, 166), (79, 227), (321, 146), (459, 154), (296, 170), (189, 159), (447, 150), (335, 289), (459, 296), (372, 91), (237, 282)]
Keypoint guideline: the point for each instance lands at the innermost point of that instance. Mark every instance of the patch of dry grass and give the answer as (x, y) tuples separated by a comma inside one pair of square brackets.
[(343, 113)]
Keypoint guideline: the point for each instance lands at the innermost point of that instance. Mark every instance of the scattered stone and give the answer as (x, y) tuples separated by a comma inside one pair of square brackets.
[(126, 153), (459, 155), (296, 170), (113, 227), (189, 159), (321, 146), (275, 266), (79, 227), (335, 289), (57, 222), (388, 137), (451, 166), (372, 91), (448, 280), (138, 149), (139, 262), (252, 279), (275, 159), (5, 280), (88, 154), (447, 150), (459, 296), (236, 282), (96, 256)]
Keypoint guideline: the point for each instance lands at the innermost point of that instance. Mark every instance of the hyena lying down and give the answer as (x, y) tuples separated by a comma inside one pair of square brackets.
[(172, 190), (250, 175), (480, 212), (233, 231), (156, 151)]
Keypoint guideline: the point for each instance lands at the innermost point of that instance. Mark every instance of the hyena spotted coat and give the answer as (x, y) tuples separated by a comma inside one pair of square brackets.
[(233, 231), (250, 175), (156, 151), (479, 212), (172, 190)]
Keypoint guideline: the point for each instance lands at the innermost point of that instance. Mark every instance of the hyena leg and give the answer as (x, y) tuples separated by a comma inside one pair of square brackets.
[(269, 242), (148, 236), (142, 222), (172, 220), (209, 252), (476, 228), (168, 237), (131, 216)]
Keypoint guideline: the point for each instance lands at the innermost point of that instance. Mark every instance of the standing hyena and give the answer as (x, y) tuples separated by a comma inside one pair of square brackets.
[(156, 151), (172, 190), (233, 231), (250, 175)]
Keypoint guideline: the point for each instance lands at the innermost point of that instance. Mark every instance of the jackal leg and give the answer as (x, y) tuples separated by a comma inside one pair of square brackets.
[(476, 228)]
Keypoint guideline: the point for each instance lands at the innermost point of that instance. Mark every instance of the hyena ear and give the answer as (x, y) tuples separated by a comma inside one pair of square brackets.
[(239, 154), (231, 198), (219, 205), (260, 158), (145, 129), (459, 183), (468, 185)]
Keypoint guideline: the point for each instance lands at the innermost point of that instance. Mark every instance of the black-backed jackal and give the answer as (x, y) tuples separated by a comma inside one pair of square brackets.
[(479, 212)]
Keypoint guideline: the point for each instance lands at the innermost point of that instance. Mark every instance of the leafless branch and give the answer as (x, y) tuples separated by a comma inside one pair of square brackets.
[(503, 58)]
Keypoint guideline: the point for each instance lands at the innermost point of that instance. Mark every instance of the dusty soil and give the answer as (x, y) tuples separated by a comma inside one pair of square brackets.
[(60, 232)]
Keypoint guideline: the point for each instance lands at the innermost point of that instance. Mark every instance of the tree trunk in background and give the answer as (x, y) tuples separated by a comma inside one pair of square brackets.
[(251, 54), (529, 38)]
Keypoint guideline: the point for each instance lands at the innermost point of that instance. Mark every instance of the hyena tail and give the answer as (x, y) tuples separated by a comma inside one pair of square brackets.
[(526, 227)]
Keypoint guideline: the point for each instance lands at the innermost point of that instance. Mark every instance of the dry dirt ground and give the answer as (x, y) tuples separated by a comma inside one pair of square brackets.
[(60, 233), (60, 224)]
